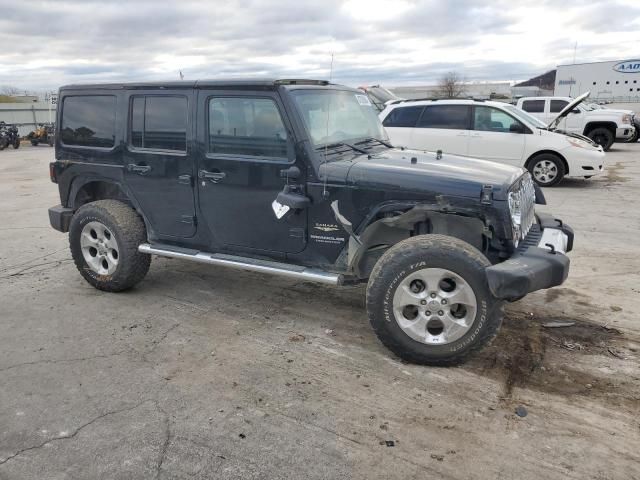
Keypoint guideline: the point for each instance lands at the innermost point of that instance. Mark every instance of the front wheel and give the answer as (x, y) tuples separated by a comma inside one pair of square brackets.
[(603, 137), (16, 144), (429, 302), (104, 237), (546, 169)]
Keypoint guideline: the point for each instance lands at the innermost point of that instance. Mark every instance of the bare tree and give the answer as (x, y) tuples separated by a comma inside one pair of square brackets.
[(10, 90), (451, 85)]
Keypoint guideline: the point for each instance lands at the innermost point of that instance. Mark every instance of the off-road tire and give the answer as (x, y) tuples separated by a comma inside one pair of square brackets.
[(550, 157), (602, 136), (129, 231), (16, 144), (431, 251)]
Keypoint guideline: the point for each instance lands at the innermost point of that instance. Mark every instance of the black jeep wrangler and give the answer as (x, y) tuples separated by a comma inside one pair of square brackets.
[(297, 178)]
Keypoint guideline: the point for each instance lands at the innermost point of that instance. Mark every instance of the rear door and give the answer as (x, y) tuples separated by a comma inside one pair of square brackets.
[(246, 144), (491, 138), (443, 127), (400, 123), (158, 160)]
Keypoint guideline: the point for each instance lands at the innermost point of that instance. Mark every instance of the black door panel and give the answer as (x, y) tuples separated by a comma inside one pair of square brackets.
[(247, 145), (158, 162)]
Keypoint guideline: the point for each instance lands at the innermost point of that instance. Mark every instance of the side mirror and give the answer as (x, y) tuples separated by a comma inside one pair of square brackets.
[(575, 110), (516, 128), (294, 201)]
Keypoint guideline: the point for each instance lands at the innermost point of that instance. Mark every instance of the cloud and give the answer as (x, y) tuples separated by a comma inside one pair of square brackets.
[(374, 41)]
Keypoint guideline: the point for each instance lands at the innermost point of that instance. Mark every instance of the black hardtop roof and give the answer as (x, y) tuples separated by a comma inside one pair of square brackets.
[(261, 83)]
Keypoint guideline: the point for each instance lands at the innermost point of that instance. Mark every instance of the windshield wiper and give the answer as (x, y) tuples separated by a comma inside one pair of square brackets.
[(343, 144), (381, 142)]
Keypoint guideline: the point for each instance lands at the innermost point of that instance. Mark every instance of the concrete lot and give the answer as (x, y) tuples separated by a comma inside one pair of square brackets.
[(205, 372)]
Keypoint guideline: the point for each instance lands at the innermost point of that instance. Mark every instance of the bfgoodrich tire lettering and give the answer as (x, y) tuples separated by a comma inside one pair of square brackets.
[(431, 252), (128, 230)]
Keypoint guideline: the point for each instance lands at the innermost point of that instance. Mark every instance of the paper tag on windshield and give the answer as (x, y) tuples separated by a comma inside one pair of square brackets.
[(279, 209), (363, 100)]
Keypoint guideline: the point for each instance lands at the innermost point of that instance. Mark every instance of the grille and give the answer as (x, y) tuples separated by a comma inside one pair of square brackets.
[(523, 200)]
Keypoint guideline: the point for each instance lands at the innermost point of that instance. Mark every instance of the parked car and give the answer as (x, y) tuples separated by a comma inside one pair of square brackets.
[(297, 178), (635, 119), (603, 126), (493, 131)]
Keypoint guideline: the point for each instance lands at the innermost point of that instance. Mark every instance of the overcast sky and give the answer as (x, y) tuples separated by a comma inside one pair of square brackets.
[(47, 44)]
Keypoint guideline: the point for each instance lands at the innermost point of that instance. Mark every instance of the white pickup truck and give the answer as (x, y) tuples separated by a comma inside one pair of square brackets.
[(602, 126)]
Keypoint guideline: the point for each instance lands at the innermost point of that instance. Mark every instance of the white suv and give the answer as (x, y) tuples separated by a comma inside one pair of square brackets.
[(493, 131)]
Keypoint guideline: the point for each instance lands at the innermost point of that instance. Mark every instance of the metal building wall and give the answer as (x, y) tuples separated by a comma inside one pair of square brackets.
[(601, 79), (26, 115)]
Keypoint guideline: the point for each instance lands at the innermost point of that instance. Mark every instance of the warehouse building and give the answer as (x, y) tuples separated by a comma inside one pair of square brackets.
[(615, 81)]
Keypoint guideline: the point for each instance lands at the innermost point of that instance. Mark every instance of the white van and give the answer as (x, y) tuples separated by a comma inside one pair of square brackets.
[(604, 126), (493, 131)]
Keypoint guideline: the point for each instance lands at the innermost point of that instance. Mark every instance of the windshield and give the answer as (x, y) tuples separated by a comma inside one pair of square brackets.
[(524, 116), (337, 116)]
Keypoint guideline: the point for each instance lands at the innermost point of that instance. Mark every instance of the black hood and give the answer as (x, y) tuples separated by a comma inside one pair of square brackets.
[(448, 175)]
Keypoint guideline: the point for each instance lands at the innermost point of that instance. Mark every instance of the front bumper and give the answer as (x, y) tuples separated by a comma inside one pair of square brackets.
[(539, 263), (584, 162), (625, 132), (60, 218)]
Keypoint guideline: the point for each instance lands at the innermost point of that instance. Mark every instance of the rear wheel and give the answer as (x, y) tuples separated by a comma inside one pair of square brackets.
[(34, 143), (428, 300), (16, 144), (104, 237), (603, 137), (546, 169)]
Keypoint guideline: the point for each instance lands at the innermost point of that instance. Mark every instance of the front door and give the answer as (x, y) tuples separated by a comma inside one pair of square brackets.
[(246, 145), (158, 163), (492, 138)]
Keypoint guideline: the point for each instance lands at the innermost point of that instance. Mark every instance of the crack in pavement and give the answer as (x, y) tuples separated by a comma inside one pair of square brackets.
[(75, 432), (167, 440), (63, 360)]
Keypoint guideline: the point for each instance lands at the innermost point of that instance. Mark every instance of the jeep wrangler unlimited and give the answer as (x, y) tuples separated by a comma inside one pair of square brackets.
[(297, 178)]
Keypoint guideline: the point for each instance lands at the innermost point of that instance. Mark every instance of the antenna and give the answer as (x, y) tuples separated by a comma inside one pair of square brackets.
[(325, 194)]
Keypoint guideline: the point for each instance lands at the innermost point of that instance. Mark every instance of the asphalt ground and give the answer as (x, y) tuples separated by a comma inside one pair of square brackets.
[(203, 372)]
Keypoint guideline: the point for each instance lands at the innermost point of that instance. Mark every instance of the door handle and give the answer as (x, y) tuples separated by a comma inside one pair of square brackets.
[(215, 177), (139, 169)]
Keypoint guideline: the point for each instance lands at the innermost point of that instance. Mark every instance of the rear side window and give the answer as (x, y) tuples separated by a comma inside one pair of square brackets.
[(159, 122), (89, 121), (403, 117), (557, 105), (456, 117), (248, 127), (533, 106)]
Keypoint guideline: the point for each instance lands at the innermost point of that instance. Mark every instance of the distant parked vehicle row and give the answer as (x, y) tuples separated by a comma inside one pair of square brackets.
[(494, 131), (603, 125)]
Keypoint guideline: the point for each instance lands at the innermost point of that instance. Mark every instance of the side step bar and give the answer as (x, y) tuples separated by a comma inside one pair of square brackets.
[(242, 263)]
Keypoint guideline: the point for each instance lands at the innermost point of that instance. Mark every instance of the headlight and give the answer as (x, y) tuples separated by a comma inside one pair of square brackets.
[(515, 209), (626, 118), (576, 142)]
